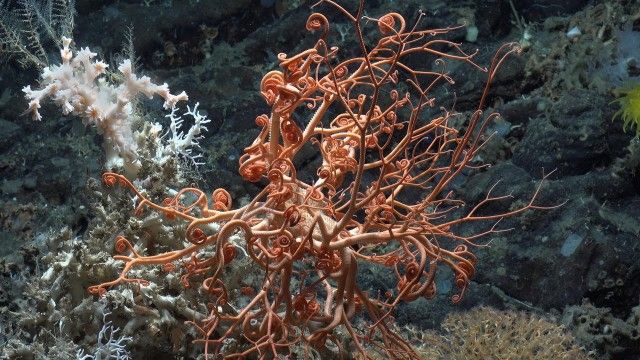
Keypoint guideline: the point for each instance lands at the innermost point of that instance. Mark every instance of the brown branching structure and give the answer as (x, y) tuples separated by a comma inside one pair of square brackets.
[(28, 26), (381, 197)]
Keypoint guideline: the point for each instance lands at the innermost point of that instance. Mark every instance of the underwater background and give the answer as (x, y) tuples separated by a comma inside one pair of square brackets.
[(561, 283)]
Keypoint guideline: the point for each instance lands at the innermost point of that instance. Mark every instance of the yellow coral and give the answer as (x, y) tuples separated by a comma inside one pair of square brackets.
[(629, 100), (486, 333)]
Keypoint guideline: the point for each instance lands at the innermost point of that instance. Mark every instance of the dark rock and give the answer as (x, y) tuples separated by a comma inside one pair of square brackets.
[(490, 17), (9, 134), (567, 138)]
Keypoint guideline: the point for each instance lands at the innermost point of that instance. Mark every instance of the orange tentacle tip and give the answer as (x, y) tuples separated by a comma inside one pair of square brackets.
[(221, 199), (387, 22), (292, 215), (169, 201), (228, 253), (247, 291), (197, 236), (122, 244), (97, 290), (110, 179), (168, 267)]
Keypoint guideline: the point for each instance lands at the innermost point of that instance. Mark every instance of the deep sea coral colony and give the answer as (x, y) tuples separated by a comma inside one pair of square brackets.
[(78, 87), (380, 197)]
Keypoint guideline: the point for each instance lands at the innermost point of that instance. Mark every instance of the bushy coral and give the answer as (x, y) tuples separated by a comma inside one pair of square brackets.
[(78, 87), (486, 333)]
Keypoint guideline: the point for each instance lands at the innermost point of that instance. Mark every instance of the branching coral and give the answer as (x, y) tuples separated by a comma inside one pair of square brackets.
[(382, 198), (485, 333), (78, 87)]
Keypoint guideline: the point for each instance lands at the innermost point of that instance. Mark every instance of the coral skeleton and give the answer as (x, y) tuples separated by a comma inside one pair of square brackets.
[(109, 345), (179, 143)]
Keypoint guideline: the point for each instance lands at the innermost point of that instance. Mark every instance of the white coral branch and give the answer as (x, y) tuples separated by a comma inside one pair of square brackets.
[(183, 144), (77, 87)]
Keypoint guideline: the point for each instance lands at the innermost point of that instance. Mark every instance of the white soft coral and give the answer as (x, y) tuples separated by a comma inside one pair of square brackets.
[(77, 87)]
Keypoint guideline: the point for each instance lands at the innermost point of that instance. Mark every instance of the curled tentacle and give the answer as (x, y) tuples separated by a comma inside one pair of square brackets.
[(387, 23), (292, 215), (110, 179), (229, 253), (291, 131), (269, 86), (196, 235), (122, 244), (221, 199), (317, 21)]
